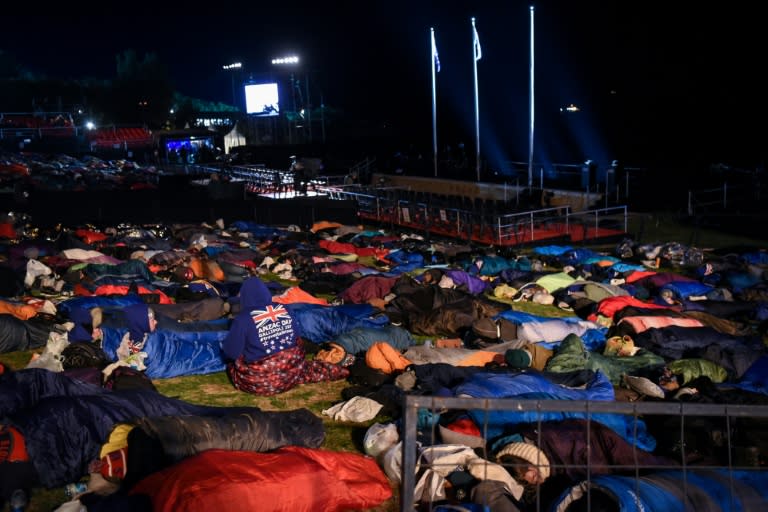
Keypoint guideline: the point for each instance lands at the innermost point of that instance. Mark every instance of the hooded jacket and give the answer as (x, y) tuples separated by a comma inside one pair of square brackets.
[(85, 320), (262, 328), (131, 349), (137, 319)]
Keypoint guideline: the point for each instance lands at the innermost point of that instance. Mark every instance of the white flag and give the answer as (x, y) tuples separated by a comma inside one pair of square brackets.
[(478, 50), (434, 53)]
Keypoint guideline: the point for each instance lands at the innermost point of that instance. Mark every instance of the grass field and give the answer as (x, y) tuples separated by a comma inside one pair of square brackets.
[(215, 389)]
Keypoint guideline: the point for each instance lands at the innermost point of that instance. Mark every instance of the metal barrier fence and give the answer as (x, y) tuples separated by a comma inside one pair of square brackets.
[(48, 131), (451, 216), (686, 412), (258, 178), (389, 205), (532, 226), (593, 221), (702, 200)]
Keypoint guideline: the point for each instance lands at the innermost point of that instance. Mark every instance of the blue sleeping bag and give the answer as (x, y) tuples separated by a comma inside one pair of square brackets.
[(534, 386), (174, 353), (677, 491), (319, 324)]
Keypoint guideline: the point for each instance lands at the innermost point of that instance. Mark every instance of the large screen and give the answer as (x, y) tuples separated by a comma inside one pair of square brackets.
[(262, 99)]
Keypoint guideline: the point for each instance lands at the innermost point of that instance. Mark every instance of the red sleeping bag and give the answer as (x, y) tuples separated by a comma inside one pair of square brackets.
[(291, 479)]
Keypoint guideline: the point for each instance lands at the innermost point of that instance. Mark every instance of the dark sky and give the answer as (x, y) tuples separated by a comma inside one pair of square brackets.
[(653, 79)]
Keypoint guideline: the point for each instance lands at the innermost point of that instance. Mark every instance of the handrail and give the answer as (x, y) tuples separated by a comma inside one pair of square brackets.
[(602, 213), (363, 167), (700, 198), (381, 205)]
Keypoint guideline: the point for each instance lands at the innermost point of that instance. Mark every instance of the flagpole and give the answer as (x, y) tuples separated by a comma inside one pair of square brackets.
[(434, 99), (531, 106), (475, 58)]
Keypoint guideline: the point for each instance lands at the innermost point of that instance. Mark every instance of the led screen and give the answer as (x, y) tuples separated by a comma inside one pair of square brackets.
[(262, 99)]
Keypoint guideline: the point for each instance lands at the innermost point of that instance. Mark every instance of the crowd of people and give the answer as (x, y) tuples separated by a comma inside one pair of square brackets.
[(390, 314)]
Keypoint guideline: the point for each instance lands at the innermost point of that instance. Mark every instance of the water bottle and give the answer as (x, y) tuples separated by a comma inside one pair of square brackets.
[(18, 500)]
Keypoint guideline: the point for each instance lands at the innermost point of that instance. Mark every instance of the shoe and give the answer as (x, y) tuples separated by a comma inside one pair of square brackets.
[(644, 386)]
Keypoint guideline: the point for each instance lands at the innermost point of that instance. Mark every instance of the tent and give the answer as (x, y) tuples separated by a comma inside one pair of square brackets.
[(233, 139)]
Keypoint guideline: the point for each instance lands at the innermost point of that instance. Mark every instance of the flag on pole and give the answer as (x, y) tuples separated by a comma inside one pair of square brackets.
[(434, 53), (478, 50)]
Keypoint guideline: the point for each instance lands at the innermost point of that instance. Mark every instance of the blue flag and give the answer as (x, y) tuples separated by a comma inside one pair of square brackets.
[(434, 53), (476, 44)]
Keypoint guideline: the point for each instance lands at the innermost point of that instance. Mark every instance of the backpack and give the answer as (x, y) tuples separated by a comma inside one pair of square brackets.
[(363, 375), (84, 354)]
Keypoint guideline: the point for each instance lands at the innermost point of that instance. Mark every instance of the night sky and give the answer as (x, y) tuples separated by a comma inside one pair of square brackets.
[(654, 80)]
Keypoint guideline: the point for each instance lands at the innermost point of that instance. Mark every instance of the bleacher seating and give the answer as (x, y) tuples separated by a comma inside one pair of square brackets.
[(114, 137), (47, 125)]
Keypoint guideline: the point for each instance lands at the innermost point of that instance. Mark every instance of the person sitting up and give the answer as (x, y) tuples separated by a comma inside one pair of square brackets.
[(264, 350)]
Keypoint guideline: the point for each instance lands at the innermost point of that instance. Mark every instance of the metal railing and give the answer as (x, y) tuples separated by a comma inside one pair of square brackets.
[(523, 227), (574, 177), (48, 131), (615, 217), (365, 166), (705, 199), (633, 411), (742, 191), (394, 206)]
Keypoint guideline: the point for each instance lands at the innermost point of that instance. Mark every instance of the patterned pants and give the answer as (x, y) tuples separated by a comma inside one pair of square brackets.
[(281, 372)]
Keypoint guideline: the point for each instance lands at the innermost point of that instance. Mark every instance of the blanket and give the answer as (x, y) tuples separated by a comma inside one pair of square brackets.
[(535, 386)]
